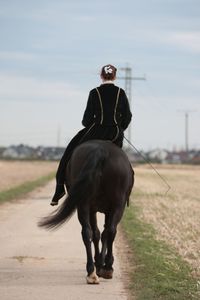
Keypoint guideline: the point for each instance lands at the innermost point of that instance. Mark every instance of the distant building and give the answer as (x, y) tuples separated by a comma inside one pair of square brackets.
[(135, 156), (158, 155), (196, 158), (18, 152), (49, 153), (26, 152)]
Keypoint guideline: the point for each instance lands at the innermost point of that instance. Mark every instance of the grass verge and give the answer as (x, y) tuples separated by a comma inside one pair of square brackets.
[(158, 272), (26, 187)]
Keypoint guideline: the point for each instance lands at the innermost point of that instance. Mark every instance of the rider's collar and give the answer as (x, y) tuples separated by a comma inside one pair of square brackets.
[(108, 82)]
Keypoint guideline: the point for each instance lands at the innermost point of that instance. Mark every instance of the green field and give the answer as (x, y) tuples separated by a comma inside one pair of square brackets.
[(163, 235), (24, 188)]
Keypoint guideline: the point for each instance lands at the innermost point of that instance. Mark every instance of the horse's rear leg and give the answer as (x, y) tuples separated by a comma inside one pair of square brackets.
[(84, 220), (107, 258), (110, 233), (96, 238)]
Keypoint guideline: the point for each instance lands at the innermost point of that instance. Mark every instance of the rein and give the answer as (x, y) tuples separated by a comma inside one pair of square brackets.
[(149, 163)]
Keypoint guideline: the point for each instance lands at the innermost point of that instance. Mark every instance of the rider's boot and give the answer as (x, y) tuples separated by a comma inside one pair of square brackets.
[(61, 175), (59, 193), (60, 179)]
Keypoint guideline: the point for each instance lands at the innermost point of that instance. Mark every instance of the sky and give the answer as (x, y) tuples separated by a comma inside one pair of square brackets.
[(52, 51)]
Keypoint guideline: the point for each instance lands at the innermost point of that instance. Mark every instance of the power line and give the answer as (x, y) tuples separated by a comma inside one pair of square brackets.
[(128, 88)]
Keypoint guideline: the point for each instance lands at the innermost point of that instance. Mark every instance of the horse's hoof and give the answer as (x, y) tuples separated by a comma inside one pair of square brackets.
[(54, 203), (106, 274), (92, 278)]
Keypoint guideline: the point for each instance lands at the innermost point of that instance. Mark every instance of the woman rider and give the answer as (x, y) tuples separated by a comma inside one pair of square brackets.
[(106, 116)]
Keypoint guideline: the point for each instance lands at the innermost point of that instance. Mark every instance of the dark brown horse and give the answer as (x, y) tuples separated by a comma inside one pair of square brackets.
[(99, 178)]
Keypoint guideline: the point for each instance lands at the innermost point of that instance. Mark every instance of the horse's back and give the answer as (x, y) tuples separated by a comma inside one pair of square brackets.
[(115, 157), (116, 169)]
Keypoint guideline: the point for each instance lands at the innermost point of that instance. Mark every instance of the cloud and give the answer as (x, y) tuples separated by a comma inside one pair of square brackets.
[(182, 40), (185, 40), (20, 88), (188, 40), (14, 55)]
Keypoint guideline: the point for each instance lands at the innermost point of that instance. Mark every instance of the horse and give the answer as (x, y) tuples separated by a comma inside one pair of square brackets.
[(99, 178)]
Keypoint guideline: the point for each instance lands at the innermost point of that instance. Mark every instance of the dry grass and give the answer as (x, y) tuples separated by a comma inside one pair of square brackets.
[(14, 173), (175, 216)]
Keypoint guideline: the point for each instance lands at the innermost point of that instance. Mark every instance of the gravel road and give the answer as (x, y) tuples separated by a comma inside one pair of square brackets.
[(36, 264)]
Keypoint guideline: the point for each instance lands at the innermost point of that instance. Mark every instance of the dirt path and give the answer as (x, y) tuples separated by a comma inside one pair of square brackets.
[(36, 264)]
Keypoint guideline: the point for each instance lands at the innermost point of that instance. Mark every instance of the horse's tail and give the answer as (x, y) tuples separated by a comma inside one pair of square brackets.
[(84, 188)]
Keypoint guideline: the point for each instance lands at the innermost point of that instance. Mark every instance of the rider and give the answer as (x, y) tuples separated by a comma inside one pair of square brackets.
[(106, 116)]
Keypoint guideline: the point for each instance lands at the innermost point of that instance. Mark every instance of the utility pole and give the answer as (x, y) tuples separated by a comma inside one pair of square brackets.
[(186, 113), (128, 88), (58, 136)]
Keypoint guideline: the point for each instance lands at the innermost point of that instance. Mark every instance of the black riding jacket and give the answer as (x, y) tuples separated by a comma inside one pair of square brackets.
[(107, 106)]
